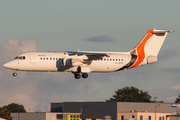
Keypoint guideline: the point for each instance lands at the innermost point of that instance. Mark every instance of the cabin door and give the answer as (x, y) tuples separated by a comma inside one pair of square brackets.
[(32, 59)]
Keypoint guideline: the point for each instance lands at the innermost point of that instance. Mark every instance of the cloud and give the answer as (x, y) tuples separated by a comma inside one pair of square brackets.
[(15, 89), (23, 45), (176, 87), (165, 94), (103, 38), (172, 98)]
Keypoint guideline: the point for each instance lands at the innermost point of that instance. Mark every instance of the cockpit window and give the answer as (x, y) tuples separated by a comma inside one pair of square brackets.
[(16, 57), (20, 57)]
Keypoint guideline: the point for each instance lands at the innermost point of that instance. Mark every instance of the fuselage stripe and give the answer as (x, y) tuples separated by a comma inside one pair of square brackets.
[(77, 60)]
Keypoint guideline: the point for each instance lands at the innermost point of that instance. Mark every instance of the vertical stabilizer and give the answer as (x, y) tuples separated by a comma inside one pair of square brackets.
[(149, 47)]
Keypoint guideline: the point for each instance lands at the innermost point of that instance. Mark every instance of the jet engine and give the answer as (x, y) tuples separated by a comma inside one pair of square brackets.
[(72, 62), (66, 62), (77, 61)]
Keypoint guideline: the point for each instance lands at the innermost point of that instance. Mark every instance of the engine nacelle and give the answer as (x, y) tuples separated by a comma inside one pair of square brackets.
[(72, 62), (77, 61), (66, 62)]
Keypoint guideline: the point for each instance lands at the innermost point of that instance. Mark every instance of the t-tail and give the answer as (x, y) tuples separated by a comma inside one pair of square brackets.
[(147, 50)]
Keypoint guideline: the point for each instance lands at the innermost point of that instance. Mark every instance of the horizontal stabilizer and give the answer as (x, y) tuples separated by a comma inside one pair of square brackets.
[(160, 31)]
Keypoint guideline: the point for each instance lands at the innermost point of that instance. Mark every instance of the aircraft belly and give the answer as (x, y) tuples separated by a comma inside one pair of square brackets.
[(105, 66), (39, 66)]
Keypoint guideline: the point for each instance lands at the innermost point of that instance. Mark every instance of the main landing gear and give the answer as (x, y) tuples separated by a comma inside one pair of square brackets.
[(77, 75)]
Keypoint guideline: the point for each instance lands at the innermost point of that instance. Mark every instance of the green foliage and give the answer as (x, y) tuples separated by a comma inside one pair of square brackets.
[(130, 94), (161, 101), (177, 99), (8, 109)]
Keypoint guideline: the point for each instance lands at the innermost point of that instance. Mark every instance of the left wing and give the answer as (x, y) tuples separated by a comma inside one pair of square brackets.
[(90, 55)]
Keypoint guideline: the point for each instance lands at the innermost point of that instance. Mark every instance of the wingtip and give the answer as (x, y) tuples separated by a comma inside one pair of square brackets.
[(172, 31)]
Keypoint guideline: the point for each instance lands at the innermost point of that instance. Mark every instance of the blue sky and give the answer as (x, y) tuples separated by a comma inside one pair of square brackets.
[(101, 25)]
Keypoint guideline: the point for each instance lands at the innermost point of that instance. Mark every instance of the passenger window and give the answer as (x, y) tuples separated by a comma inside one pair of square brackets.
[(44, 58), (41, 58), (53, 58), (56, 58), (121, 59), (116, 59), (104, 59), (24, 58), (50, 58)]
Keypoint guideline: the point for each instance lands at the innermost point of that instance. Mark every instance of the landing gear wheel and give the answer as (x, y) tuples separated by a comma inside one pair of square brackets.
[(14, 74), (84, 75), (77, 75)]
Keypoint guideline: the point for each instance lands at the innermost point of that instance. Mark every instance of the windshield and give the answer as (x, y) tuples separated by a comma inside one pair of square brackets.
[(16, 57), (20, 57)]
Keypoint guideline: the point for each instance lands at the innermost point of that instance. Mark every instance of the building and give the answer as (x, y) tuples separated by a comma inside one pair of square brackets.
[(142, 115), (175, 116), (45, 116), (117, 110), (104, 111)]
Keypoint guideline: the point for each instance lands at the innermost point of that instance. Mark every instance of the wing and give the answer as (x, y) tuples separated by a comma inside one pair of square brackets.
[(90, 55)]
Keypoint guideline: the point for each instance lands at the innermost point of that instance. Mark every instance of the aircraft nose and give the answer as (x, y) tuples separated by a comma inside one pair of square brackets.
[(10, 65), (6, 65)]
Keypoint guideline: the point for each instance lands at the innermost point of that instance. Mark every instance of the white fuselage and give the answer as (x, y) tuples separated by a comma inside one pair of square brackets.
[(52, 62)]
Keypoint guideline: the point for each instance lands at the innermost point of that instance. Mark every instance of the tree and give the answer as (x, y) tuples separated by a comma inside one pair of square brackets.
[(6, 110), (130, 94), (177, 99)]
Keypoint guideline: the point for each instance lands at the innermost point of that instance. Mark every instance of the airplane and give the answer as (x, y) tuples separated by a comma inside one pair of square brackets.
[(80, 63)]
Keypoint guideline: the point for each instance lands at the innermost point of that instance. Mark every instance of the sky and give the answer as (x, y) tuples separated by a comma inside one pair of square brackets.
[(95, 25)]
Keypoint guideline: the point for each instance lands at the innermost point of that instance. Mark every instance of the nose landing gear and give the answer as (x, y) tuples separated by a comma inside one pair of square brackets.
[(14, 74)]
